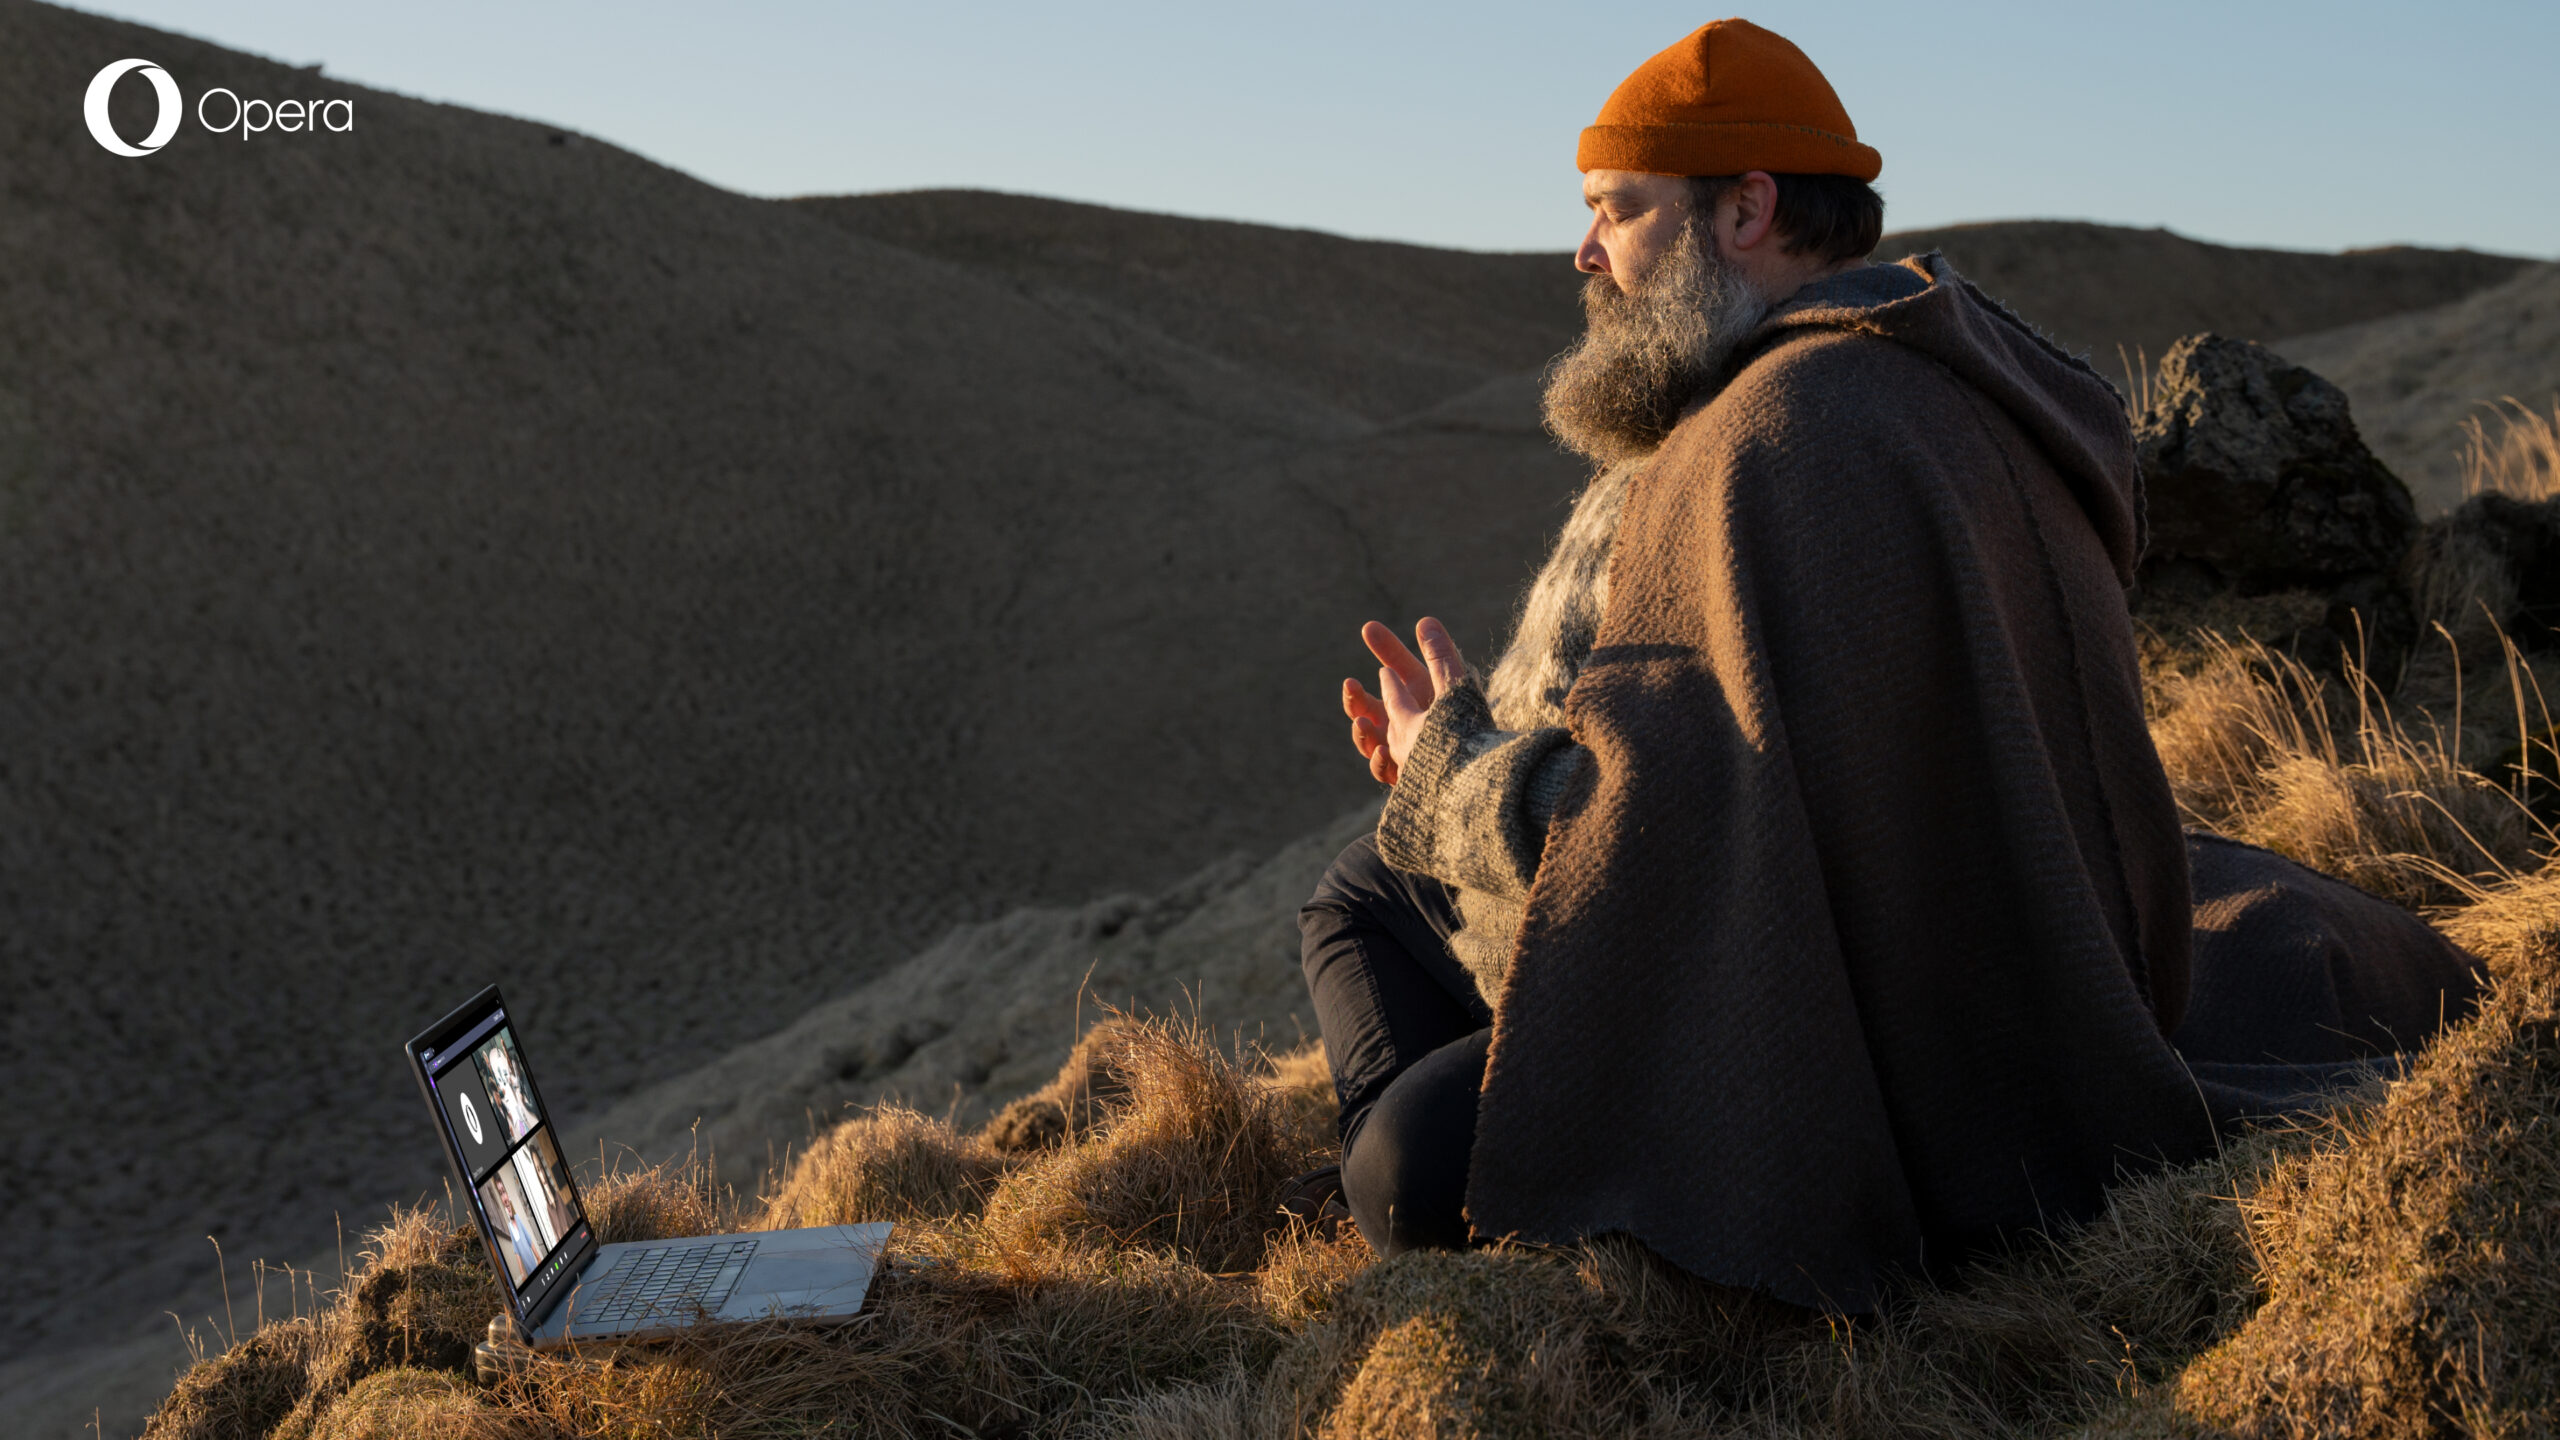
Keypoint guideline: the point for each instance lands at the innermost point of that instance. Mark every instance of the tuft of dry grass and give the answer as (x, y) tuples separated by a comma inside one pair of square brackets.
[(1193, 1161), (652, 1202), (2522, 459), (245, 1390), (407, 1403), (890, 1164), (1114, 1298), (420, 1298), (1495, 1342), (2262, 748), (1073, 1103)]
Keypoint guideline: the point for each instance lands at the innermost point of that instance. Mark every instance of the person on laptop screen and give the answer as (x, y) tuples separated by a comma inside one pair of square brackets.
[(523, 1251)]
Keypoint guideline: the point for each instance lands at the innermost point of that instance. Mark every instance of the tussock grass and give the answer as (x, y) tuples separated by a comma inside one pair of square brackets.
[(1088, 1324), (413, 1404), (2259, 746), (1193, 1161), (891, 1164), (669, 1198), (419, 1298), (246, 1390), (2522, 459), (1073, 1103)]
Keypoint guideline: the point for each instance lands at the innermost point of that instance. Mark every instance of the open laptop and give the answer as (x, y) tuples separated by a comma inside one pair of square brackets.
[(563, 1285)]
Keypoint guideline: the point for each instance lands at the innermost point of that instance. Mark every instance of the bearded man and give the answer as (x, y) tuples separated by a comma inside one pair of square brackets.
[(1802, 895)]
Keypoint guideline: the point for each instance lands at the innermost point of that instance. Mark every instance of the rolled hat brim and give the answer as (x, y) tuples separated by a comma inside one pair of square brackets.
[(1727, 147)]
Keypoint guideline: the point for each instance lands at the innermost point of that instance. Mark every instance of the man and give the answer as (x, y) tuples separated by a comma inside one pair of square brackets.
[(1801, 893)]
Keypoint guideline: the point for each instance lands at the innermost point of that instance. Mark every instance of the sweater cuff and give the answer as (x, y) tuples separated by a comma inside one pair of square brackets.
[(1457, 727), (1472, 801)]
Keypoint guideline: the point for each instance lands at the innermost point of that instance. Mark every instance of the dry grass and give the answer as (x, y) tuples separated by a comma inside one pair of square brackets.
[(2259, 746), (2522, 459), (1106, 1291), (420, 1297), (1108, 1262), (2413, 1273), (1192, 1162), (671, 1198), (413, 1404), (1072, 1104), (891, 1164)]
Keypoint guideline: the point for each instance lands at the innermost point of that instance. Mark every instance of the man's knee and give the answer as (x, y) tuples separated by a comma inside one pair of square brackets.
[(1404, 1170)]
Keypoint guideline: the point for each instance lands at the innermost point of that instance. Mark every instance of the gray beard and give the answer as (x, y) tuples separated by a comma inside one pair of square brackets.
[(1645, 354)]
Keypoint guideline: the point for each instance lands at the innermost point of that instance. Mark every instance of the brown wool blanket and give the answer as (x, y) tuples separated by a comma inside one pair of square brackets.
[(1853, 946)]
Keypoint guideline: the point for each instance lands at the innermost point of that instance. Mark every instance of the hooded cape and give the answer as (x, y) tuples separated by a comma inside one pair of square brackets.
[(1855, 944)]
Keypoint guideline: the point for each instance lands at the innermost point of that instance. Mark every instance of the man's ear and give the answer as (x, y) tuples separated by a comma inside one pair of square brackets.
[(1753, 202)]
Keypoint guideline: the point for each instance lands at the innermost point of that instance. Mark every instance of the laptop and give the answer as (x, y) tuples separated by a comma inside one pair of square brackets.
[(565, 1287)]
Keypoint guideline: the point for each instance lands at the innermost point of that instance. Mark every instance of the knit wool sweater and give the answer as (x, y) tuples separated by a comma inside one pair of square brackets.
[(1475, 794)]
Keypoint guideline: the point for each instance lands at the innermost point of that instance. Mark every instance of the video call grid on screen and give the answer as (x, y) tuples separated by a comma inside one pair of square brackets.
[(517, 1176)]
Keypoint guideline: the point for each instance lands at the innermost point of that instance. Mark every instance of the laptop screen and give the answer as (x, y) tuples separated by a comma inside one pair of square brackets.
[(493, 1118)]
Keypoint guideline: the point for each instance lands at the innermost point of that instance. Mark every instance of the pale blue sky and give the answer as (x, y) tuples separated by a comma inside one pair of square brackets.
[(2267, 122)]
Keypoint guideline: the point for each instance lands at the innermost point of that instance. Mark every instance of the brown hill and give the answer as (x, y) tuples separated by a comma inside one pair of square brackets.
[(1385, 329), (1379, 329), (457, 550), (2416, 378), (2097, 287)]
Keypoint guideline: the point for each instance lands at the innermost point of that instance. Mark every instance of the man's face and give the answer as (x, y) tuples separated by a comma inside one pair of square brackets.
[(1635, 217), (1662, 326)]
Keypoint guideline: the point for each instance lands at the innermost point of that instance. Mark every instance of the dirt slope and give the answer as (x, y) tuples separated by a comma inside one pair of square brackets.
[(2095, 287), (2416, 378), (1379, 329)]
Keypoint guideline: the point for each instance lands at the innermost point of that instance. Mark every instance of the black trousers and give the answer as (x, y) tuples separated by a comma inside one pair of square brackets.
[(1406, 1035)]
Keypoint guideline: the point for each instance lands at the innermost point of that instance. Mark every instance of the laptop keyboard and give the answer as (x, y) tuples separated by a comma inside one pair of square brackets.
[(667, 1282)]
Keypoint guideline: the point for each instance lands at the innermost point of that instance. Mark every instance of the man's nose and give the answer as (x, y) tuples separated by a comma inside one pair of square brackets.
[(1591, 259)]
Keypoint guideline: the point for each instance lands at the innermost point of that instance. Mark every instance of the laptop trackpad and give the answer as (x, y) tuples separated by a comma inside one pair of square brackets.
[(819, 1281)]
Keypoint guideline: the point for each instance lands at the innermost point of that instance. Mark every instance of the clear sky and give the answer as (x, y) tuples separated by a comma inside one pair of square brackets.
[(2315, 124)]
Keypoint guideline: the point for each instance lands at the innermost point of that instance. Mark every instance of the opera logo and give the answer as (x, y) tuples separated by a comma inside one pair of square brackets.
[(219, 110), (103, 129), (471, 1118)]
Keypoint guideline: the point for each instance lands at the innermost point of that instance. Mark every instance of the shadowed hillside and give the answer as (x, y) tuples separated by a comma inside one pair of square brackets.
[(460, 550)]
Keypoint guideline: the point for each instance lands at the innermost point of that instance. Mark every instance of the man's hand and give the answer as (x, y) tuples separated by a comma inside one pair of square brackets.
[(1384, 729)]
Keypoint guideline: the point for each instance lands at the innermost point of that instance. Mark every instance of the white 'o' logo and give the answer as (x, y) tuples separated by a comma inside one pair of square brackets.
[(172, 108), (471, 1117)]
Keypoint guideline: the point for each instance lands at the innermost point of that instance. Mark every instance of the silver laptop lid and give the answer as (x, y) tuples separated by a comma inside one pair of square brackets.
[(472, 1066)]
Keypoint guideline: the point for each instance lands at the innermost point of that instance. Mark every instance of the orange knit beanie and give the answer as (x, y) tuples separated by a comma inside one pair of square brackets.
[(1730, 98)]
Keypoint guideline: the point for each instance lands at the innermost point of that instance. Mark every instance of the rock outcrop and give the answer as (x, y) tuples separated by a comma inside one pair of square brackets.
[(2253, 466), (2256, 480)]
